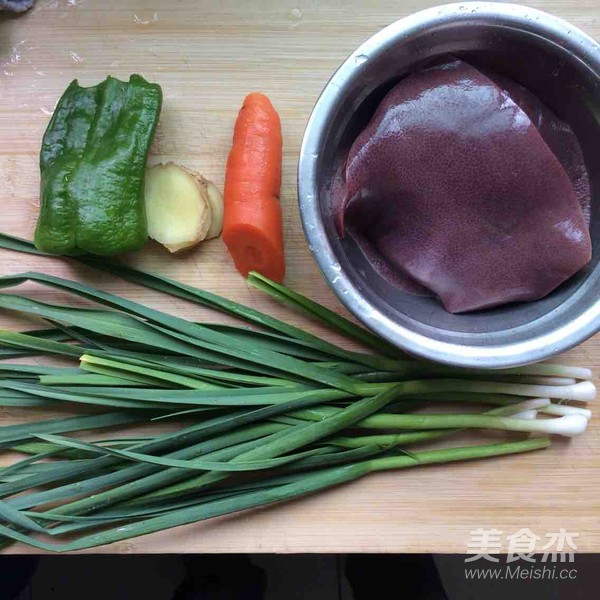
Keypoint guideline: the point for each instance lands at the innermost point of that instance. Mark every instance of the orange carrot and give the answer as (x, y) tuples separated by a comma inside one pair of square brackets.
[(252, 227)]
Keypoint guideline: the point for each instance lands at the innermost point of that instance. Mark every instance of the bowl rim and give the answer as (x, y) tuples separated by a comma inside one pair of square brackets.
[(569, 333)]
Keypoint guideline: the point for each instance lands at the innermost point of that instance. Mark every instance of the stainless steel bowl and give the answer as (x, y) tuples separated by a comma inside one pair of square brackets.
[(547, 55)]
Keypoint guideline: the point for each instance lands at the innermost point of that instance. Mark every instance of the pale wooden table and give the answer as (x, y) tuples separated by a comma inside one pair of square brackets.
[(207, 55)]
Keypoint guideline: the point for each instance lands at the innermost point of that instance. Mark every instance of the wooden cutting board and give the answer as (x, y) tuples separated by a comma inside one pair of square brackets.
[(207, 55)]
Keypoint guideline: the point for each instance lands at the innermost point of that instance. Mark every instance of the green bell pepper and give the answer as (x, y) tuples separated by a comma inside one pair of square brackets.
[(92, 165)]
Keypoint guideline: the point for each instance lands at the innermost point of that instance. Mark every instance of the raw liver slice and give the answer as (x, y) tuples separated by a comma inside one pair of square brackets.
[(556, 133), (452, 184)]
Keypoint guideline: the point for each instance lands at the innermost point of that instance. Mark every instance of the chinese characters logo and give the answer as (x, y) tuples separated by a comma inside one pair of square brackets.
[(555, 547)]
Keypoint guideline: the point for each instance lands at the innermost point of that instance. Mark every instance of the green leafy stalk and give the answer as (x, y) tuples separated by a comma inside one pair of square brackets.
[(322, 314), (117, 325), (169, 441), (294, 438), (277, 409), (164, 461), (305, 485), (221, 304), (11, 434)]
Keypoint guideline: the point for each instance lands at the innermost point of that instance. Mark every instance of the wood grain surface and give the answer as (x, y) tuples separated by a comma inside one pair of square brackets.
[(207, 55)]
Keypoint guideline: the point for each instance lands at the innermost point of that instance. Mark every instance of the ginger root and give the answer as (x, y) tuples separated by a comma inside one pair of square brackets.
[(182, 207)]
